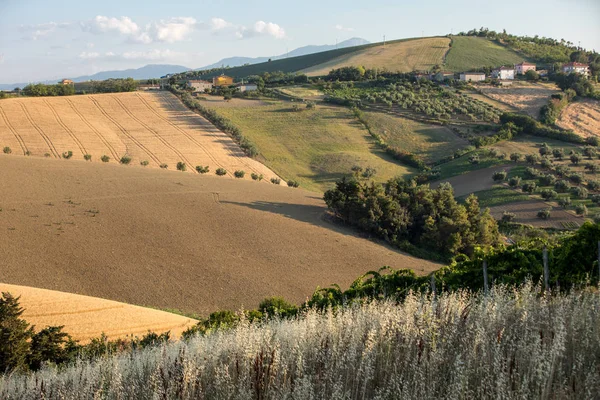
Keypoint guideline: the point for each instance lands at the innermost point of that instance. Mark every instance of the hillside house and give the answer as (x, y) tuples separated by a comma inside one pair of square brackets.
[(222, 80), (504, 73), (422, 75), (67, 82), (575, 67), (472, 76), (247, 87), (199, 85), (522, 68), (442, 76), (149, 86)]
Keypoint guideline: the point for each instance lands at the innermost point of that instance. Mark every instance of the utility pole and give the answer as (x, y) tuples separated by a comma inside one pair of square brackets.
[(383, 40)]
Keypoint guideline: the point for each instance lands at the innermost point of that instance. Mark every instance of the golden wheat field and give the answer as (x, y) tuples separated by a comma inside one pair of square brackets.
[(523, 96), (168, 239), (148, 127), (85, 317), (405, 56), (583, 117)]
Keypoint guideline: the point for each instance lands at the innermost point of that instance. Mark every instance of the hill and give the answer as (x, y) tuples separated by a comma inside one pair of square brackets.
[(147, 127), (172, 240), (470, 53), (301, 51), (87, 317)]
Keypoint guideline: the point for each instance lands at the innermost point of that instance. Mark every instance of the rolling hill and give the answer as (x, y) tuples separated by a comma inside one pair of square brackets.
[(169, 239), (468, 53)]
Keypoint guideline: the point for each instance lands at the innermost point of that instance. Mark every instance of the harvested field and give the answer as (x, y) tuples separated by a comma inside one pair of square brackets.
[(172, 240), (527, 144), (525, 97), (472, 182), (526, 213), (146, 126), (583, 117), (87, 317), (406, 56)]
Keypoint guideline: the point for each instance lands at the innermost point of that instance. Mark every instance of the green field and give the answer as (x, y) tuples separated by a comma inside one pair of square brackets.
[(462, 165), (315, 147), (432, 142), (469, 53), (500, 195), (527, 144)]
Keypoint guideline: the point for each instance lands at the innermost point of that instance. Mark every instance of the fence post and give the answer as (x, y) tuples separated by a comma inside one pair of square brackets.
[(599, 262), (485, 278), (546, 272)]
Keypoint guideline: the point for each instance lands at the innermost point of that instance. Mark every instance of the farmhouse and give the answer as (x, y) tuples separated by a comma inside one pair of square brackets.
[(222, 80), (246, 87), (67, 82), (422, 75), (504, 73), (443, 75), (522, 68), (472, 76), (575, 67), (199, 85), (149, 86)]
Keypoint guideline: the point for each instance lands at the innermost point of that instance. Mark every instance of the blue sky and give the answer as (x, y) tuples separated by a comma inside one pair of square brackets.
[(46, 39)]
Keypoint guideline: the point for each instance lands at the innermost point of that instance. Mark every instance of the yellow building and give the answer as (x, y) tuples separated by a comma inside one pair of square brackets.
[(66, 82), (222, 80)]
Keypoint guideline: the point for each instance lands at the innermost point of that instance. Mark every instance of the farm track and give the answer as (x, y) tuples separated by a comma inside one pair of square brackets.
[(14, 131), (93, 128), (65, 127), (126, 133), (40, 131)]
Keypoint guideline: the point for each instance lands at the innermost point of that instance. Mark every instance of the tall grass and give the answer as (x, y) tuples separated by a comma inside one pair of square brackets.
[(512, 344)]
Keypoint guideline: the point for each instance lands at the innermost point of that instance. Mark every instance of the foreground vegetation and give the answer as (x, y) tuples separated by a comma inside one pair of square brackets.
[(510, 344)]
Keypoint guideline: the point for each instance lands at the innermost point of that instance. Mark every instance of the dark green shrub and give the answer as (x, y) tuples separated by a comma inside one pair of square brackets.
[(548, 194), (546, 163), (508, 217), (67, 154), (292, 183), (593, 185), (564, 202), (239, 174), (575, 158), (275, 181), (532, 159), (202, 170), (144, 163), (576, 178), (547, 180), (516, 157), (87, 157), (580, 192), (256, 177), (181, 166), (593, 168), (514, 182), (105, 158), (163, 166), (531, 173), (590, 152), (558, 153), (221, 171), (581, 209), (529, 187), (125, 160), (562, 170), (544, 214), (499, 176), (545, 149), (7, 150), (562, 186)]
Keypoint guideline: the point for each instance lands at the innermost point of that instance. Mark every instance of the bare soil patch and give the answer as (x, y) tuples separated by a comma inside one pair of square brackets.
[(85, 317), (172, 240), (474, 181), (526, 97), (526, 213), (583, 117)]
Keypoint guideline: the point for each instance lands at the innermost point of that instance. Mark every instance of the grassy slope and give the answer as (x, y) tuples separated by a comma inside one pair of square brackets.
[(500, 195), (527, 144), (412, 55), (294, 64), (472, 52), (315, 147), (432, 142)]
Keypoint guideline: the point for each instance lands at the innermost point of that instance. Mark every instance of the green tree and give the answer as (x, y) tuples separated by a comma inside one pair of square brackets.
[(14, 335)]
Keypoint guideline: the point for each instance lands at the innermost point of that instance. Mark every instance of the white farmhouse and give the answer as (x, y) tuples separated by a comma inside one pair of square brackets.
[(247, 87), (504, 73), (472, 76), (575, 67), (522, 68), (199, 86)]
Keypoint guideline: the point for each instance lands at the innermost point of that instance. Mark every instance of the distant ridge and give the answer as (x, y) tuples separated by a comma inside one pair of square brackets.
[(301, 51), (147, 72)]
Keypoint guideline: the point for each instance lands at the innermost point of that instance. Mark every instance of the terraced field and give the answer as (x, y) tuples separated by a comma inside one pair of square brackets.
[(85, 317), (168, 239), (405, 56), (152, 127)]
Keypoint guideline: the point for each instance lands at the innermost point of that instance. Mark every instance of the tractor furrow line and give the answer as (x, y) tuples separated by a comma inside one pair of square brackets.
[(14, 131), (40, 131)]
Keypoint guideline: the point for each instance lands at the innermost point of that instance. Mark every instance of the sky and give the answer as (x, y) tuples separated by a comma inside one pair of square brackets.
[(50, 39)]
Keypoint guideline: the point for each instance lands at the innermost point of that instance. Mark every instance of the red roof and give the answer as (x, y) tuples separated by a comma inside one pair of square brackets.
[(575, 64)]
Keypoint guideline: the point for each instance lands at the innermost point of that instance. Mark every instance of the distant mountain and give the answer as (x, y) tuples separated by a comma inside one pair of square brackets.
[(301, 51), (147, 72)]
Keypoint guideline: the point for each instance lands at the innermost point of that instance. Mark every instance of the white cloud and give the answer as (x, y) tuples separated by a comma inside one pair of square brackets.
[(35, 32), (170, 31), (343, 28), (261, 28), (151, 55), (218, 24), (1, 58)]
